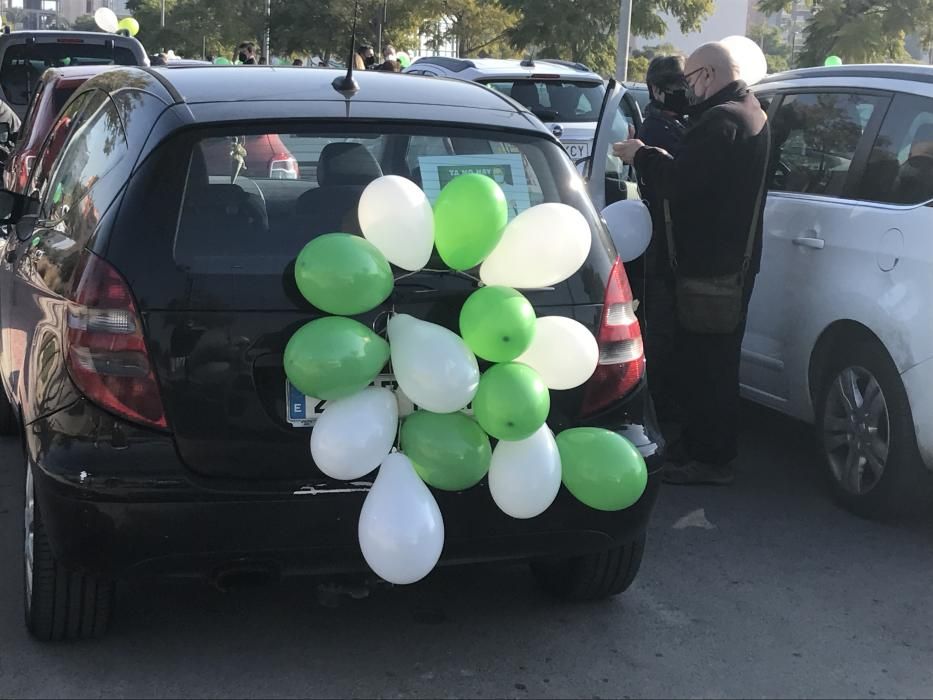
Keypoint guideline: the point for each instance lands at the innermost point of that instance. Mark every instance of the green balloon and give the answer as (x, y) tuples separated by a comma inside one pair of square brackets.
[(497, 323), (449, 450), (512, 401), (469, 217), (334, 357), (601, 468), (343, 274), (832, 61)]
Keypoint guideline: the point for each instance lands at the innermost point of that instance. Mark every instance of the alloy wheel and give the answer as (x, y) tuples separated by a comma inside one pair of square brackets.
[(856, 430)]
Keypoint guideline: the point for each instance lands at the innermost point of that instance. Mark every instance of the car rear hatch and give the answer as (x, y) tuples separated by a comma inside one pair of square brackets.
[(219, 300)]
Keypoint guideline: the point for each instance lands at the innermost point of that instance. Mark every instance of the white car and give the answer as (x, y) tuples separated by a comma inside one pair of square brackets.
[(566, 96), (839, 330)]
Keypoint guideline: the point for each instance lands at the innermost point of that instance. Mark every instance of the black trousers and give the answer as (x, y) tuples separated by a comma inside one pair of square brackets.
[(708, 390)]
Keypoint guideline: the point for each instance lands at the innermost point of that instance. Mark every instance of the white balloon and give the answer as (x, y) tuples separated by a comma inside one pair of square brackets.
[(106, 20), (354, 435), (401, 530), (396, 217), (432, 365), (524, 476), (748, 56), (629, 223), (564, 352), (540, 247)]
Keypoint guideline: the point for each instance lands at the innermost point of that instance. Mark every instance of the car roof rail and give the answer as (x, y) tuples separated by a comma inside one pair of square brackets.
[(567, 64), (456, 65)]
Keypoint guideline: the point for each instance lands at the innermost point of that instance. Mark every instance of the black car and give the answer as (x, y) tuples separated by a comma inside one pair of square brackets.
[(146, 306)]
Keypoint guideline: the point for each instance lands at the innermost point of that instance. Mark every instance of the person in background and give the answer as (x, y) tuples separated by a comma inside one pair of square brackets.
[(368, 56), (663, 127), (716, 191)]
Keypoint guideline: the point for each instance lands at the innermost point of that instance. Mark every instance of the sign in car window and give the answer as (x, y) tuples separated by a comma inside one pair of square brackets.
[(508, 170)]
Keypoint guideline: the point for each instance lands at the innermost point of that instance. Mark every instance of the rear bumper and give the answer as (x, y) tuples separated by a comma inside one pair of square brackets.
[(131, 508)]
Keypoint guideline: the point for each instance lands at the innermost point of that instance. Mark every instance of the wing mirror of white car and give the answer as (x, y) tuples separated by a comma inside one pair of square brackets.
[(629, 223)]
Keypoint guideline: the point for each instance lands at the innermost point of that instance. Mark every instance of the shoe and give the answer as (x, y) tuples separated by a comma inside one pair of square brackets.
[(696, 473)]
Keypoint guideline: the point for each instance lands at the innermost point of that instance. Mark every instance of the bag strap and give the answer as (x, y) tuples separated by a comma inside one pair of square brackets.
[(750, 244)]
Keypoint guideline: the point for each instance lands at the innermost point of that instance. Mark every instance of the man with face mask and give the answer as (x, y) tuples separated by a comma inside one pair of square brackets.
[(663, 127), (714, 190)]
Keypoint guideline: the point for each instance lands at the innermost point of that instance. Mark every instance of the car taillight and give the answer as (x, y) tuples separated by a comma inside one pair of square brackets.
[(105, 350), (283, 167), (621, 350)]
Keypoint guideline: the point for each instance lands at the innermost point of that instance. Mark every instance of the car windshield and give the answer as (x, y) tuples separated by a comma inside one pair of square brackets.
[(555, 100), (23, 65), (240, 215)]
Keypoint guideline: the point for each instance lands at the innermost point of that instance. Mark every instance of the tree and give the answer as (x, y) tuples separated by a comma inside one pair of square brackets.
[(585, 30), (772, 44), (85, 23), (858, 31)]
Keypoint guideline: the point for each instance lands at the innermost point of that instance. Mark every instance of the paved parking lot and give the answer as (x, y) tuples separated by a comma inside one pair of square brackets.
[(763, 589)]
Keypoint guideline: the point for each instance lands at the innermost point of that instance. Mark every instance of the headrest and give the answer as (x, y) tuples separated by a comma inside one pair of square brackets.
[(346, 164), (526, 94)]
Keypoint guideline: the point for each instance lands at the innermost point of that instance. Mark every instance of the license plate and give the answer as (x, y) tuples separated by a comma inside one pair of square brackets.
[(577, 149), (303, 411)]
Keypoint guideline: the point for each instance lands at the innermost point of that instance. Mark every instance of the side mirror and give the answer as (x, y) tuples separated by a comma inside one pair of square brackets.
[(629, 223), (12, 206)]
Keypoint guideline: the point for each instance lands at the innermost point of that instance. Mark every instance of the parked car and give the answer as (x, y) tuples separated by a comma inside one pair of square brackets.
[(50, 95), (838, 330), (25, 56), (566, 96), (146, 305)]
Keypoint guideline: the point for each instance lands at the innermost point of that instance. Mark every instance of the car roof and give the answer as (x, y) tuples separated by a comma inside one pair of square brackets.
[(244, 92), (46, 36), (498, 67), (914, 72)]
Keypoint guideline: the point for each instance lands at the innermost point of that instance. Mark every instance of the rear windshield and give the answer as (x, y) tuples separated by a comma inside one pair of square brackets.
[(23, 65), (253, 200), (555, 100)]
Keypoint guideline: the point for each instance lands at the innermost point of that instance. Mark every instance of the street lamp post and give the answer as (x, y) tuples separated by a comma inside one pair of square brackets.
[(625, 28)]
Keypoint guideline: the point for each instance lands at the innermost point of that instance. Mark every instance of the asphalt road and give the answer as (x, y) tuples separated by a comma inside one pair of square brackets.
[(762, 589)]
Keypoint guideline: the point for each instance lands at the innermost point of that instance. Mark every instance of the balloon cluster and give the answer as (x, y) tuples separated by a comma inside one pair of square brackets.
[(335, 358)]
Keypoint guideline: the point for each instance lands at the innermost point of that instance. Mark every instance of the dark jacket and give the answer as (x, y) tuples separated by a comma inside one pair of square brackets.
[(713, 182), (660, 129)]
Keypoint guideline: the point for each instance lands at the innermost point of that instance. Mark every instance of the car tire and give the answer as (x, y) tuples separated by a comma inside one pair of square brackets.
[(867, 434), (60, 604), (591, 576), (8, 423)]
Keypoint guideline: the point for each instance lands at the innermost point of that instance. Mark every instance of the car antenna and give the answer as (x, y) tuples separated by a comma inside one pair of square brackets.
[(346, 85)]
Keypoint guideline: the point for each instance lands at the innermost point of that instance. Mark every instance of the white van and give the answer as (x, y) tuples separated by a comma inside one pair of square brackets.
[(840, 330), (25, 55)]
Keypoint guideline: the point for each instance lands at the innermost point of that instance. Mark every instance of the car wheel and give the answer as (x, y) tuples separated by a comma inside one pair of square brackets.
[(867, 431), (7, 415), (60, 604), (591, 576)]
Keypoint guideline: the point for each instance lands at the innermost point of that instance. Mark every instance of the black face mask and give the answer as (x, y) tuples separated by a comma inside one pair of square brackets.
[(676, 101)]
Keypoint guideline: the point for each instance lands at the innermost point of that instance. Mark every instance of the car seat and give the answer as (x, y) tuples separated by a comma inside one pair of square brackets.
[(219, 217), (344, 170)]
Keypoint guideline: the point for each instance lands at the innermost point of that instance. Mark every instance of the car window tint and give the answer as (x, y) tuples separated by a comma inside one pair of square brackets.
[(815, 139), (248, 223), (900, 166), (555, 100), (97, 145), (54, 141)]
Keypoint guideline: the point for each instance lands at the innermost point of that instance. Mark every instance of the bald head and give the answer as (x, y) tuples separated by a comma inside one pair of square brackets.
[(711, 68)]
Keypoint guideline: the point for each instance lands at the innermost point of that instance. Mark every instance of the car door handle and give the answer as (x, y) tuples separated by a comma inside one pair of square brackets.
[(808, 242)]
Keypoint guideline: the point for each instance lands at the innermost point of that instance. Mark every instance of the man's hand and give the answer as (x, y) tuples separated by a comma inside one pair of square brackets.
[(626, 150)]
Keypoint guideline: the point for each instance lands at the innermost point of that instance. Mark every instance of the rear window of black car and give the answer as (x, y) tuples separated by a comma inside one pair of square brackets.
[(253, 200)]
